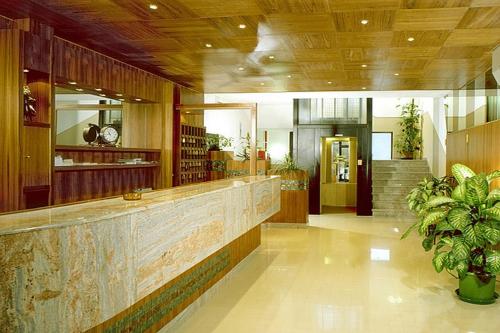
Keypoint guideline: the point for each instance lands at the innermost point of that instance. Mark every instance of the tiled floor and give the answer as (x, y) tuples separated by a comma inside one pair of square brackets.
[(341, 274)]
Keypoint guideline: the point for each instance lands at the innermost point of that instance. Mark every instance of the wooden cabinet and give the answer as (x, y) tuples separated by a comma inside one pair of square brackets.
[(36, 159)]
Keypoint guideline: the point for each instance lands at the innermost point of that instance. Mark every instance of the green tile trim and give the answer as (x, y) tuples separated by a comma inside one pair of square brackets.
[(152, 311), (294, 185)]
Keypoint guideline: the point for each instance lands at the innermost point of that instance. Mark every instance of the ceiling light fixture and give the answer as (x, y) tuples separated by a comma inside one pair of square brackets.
[(271, 57), (262, 83), (121, 99), (72, 82), (411, 39), (364, 65), (208, 45), (119, 95), (289, 76), (26, 70), (242, 26), (153, 6), (79, 89), (241, 68), (396, 74), (329, 82), (98, 89), (364, 88), (102, 95), (138, 99), (364, 22)]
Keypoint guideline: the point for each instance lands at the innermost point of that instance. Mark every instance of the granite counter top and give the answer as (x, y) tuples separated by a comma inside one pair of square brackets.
[(96, 210)]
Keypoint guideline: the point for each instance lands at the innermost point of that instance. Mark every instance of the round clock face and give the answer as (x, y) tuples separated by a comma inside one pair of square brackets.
[(109, 134)]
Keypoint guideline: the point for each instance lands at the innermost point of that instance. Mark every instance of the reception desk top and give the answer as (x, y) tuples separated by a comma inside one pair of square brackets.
[(97, 210)]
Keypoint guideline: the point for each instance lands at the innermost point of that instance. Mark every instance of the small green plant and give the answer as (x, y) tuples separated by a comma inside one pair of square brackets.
[(216, 142), (426, 189), (288, 164), (463, 228), (244, 154), (410, 139)]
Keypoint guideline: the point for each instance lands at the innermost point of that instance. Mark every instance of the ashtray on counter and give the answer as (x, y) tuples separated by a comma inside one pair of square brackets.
[(132, 196)]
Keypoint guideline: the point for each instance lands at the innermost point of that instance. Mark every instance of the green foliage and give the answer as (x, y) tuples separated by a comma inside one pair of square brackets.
[(427, 189), (461, 224), (218, 142), (288, 164), (410, 139)]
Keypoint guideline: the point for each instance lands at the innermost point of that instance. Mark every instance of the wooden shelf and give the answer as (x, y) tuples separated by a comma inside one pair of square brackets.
[(111, 149), (36, 124), (104, 166)]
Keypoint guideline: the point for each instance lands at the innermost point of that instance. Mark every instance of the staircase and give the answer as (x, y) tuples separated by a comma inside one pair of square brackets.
[(392, 180)]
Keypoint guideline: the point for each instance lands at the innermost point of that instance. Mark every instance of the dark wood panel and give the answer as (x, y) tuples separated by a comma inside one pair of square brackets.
[(91, 70)]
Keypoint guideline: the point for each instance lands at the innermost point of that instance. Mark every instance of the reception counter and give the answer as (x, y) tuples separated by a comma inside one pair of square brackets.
[(112, 265)]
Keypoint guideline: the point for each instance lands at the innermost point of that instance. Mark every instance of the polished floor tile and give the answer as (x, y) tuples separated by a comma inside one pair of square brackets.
[(341, 273)]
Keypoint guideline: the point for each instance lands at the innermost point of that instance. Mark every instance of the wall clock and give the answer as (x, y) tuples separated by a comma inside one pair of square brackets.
[(109, 135)]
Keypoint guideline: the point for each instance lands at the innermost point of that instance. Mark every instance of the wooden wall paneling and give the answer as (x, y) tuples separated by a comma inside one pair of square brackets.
[(476, 149), (92, 70), (492, 149), (167, 149), (456, 149), (10, 118)]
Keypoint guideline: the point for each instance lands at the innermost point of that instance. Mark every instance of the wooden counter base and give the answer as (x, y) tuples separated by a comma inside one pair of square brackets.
[(157, 309)]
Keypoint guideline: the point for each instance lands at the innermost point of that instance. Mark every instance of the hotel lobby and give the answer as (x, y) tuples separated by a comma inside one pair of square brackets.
[(210, 166)]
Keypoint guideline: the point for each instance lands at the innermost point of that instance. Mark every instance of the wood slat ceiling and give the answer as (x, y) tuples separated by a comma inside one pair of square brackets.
[(287, 45)]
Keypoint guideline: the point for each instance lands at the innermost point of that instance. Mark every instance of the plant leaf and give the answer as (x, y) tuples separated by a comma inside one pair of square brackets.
[(431, 218), (493, 196), (438, 261), (410, 229), (492, 235), (459, 218), (462, 268), (428, 243), (445, 241), (459, 192), (493, 212), (461, 172), (493, 261), (476, 190), (492, 176), (470, 235), (450, 261), (444, 226), (460, 249), (437, 201)]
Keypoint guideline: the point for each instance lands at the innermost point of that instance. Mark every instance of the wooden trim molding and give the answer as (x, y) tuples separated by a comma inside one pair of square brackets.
[(157, 309)]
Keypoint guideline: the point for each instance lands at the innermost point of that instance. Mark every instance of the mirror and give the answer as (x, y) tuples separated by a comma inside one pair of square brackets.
[(75, 111)]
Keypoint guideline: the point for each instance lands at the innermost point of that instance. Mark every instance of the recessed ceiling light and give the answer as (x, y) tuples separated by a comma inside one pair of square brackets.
[(121, 99), (241, 68), (26, 70), (411, 39), (364, 88), (364, 22), (188, 111), (98, 89), (329, 82), (364, 65), (102, 95), (396, 74), (289, 76), (119, 95), (208, 45), (262, 83), (271, 57), (242, 26), (79, 89), (395, 229), (153, 6), (72, 82), (138, 99)]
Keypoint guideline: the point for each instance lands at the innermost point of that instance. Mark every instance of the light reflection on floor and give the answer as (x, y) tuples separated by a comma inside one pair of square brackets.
[(341, 274)]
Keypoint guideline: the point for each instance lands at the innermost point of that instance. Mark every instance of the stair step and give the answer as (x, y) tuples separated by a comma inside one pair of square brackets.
[(401, 213), (412, 169), (404, 175), (400, 190), (395, 182), (390, 205)]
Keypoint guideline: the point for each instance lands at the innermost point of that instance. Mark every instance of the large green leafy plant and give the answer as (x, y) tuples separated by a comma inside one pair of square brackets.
[(288, 164), (410, 139), (426, 189), (463, 228)]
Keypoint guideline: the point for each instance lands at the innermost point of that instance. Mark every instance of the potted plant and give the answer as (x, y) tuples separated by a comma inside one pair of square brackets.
[(294, 192), (410, 139), (217, 142), (426, 189), (464, 230)]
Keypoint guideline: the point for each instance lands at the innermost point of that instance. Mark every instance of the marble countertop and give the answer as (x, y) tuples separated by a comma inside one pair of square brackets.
[(96, 210)]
